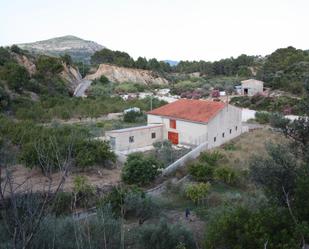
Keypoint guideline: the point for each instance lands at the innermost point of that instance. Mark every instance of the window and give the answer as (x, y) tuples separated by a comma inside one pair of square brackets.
[(173, 123), (131, 139), (230, 131), (215, 139), (236, 128), (223, 134), (153, 135)]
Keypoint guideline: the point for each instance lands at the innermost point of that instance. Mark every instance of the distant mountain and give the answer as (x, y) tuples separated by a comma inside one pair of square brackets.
[(77, 48), (172, 63)]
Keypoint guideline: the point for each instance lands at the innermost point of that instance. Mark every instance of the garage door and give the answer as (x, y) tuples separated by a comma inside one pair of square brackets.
[(173, 137)]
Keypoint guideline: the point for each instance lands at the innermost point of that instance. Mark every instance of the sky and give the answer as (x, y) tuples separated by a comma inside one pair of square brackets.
[(163, 29)]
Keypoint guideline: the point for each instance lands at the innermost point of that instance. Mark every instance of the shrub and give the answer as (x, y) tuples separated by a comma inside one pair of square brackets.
[(164, 235), (90, 152), (140, 169), (65, 232), (244, 228), (212, 158), (133, 117), (230, 147), (63, 203), (140, 206), (201, 171), (226, 175), (130, 202), (4, 99), (16, 76), (262, 117), (83, 192), (197, 192)]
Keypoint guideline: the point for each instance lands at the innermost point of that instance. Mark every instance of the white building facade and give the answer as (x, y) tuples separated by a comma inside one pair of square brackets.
[(224, 126), (252, 87)]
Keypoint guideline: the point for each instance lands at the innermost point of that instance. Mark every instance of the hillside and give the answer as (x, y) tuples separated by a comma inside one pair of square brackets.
[(122, 74), (77, 48)]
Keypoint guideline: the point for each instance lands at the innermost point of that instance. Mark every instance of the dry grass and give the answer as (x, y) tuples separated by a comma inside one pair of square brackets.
[(247, 145)]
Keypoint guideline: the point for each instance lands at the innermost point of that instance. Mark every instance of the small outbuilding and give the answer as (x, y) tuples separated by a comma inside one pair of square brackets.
[(130, 139), (252, 87)]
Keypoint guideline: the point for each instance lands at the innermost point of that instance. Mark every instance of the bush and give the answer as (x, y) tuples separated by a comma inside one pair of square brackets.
[(130, 202), (83, 192), (66, 233), (63, 203), (212, 158), (140, 169), (244, 228), (262, 117), (201, 171), (139, 205), (90, 152), (197, 192), (4, 99), (164, 236), (16, 76), (226, 175), (134, 116)]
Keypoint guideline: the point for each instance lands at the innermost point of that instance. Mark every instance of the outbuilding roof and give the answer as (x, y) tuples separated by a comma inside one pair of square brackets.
[(188, 109), (252, 81)]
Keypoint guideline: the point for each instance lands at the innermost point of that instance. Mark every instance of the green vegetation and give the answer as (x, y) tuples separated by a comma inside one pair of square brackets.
[(125, 60), (65, 108), (164, 236), (286, 68), (262, 117), (40, 146), (282, 175), (165, 152), (134, 117), (283, 104), (198, 192), (140, 169)]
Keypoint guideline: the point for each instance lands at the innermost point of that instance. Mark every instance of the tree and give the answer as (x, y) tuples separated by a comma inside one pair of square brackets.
[(67, 59), (23, 209), (241, 227), (277, 172), (140, 169)]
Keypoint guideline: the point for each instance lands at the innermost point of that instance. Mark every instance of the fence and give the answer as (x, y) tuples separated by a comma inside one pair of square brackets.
[(182, 161)]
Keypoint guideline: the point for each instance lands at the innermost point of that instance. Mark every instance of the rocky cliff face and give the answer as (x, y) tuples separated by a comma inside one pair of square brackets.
[(123, 74), (27, 62), (71, 75)]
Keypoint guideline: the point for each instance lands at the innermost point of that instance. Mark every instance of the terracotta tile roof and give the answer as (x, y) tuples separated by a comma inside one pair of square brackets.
[(188, 109)]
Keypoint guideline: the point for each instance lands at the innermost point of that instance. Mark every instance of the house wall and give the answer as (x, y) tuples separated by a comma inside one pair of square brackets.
[(226, 119), (253, 87), (189, 132), (142, 137), (198, 133)]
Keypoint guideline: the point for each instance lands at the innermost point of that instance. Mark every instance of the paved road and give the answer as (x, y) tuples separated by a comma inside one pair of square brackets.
[(81, 88)]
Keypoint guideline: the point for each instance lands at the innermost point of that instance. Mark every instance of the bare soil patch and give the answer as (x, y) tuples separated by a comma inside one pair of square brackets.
[(34, 179)]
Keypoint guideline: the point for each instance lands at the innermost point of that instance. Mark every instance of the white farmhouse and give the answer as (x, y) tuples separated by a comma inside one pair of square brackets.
[(186, 122), (193, 122), (251, 87)]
